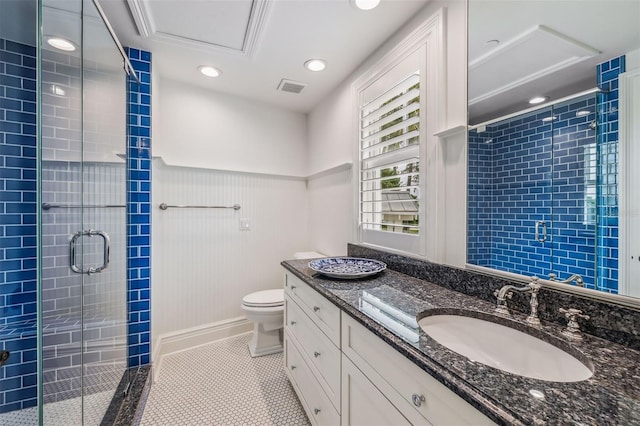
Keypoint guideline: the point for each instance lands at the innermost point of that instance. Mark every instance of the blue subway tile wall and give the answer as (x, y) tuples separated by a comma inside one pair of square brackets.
[(18, 238), (139, 209), (479, 200), (607, 179), (527, 174), (573, 194)]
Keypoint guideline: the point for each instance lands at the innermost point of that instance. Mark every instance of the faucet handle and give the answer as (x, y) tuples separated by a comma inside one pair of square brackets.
[(552, 277), (507, 295), (534, 284), (572, 332), (572, 314)]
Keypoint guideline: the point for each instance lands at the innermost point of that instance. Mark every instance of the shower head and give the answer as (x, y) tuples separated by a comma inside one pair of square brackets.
[(593, 125)]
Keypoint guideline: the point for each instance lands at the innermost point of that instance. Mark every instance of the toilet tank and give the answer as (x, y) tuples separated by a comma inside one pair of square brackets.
[(307, 255)]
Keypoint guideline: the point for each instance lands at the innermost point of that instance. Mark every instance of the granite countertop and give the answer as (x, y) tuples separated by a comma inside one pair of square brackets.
[(610, 397)]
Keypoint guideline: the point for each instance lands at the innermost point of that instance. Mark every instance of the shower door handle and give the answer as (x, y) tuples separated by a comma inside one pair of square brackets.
[(541, 238), (105, 254)]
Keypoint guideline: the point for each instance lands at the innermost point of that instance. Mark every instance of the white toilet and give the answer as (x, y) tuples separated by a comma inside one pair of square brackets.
[(266, 310)]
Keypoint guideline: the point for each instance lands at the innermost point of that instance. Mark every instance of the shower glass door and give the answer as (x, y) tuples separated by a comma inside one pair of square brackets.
[(510, 194), (574, 218), (83, 190), (539, 188)]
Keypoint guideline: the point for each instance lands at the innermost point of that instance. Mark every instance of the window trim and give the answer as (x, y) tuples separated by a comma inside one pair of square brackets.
[(430, 40)]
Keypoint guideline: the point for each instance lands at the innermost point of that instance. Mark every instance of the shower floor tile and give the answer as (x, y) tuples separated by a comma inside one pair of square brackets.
[(220, 384), (62, 413)]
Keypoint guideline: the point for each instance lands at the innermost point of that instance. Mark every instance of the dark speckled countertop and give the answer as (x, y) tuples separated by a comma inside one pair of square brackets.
[(610, 397)]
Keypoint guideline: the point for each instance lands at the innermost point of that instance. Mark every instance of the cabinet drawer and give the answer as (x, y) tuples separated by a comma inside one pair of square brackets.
[(322, 312), (401, 381), (362, 403), (315, 402), (322, 354)]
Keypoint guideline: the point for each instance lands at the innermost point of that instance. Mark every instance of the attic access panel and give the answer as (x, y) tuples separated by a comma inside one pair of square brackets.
[(531, 55), (230, 25)]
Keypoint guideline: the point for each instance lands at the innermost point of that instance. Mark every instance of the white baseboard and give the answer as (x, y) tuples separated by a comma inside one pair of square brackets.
[(190, 338)]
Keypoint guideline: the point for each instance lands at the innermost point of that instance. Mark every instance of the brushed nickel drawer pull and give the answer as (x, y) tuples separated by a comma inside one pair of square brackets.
[(417, 399)]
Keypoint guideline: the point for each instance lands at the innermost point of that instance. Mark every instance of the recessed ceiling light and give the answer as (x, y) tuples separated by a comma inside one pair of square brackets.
[(491, 43), (209, 71), (365, 4), (582, 113), (550, 118), (537, 100), (61, 44), (315, 65)]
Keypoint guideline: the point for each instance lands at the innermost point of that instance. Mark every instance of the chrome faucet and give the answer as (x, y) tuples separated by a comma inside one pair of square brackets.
[(575, 277), (506, 292)]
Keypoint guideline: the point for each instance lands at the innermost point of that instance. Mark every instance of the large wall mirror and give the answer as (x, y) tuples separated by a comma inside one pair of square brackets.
[(554, 141)]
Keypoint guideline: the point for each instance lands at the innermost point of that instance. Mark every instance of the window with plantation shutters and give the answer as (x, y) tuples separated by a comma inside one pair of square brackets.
[(390, 159), (398, 111)]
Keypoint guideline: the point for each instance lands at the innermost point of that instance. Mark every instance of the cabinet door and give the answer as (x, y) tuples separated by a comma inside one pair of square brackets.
[(362, 403)]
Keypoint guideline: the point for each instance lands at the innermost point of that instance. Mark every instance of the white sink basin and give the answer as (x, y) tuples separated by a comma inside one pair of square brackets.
[(504, 348)]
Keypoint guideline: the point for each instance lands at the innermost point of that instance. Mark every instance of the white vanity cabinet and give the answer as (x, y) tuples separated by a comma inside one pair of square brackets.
[(312, 350), (417, 396), (346, 375)]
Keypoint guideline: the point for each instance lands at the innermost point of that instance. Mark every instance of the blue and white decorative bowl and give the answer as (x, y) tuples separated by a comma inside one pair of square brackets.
[(347, 267)]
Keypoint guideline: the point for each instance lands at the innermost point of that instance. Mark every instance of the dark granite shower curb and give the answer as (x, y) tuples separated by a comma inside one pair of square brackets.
[(126, 410)]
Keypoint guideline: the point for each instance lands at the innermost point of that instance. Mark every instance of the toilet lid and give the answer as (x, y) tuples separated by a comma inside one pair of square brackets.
[(265, 298)]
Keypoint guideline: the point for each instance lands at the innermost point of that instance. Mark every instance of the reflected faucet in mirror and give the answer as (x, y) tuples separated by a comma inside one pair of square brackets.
[(577, 278)]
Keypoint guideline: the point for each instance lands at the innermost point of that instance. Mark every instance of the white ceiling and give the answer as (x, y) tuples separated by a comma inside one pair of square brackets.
[(258, 43), (556, 61)]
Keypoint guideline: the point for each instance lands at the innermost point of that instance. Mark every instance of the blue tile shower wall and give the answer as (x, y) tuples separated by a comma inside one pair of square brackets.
[(607, 199), (479, 200), (525, 170), (573, 221), (516, 171), (18, 244), (529, 170), (139, 209)]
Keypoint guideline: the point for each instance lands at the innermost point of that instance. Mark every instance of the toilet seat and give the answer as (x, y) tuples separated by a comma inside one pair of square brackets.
[(264, 299)]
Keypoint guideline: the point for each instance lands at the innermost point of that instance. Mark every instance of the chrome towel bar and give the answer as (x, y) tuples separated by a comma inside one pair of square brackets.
[(47, 206), (164, 206)]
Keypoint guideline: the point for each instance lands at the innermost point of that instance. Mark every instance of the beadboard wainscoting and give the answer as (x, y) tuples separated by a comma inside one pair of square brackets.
[(330, 228), (203, 263)]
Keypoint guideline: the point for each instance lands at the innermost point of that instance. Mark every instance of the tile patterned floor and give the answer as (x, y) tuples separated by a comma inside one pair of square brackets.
[(220, 384), (62, 413)]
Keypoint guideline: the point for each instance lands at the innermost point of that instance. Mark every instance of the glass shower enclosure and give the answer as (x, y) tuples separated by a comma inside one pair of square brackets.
[(63, 317), (542, 192)]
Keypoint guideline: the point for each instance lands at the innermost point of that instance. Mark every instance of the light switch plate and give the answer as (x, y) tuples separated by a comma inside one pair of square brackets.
[(245, 224)]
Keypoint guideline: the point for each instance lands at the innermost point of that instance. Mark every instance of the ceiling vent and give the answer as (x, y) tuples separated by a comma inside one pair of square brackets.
[(291, 86)]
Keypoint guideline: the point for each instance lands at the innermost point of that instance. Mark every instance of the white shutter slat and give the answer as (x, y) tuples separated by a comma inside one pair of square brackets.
[(380, 118), (404, 138), (400, 88), (405, 155), (403, 188), (399, 175), (376, 137)]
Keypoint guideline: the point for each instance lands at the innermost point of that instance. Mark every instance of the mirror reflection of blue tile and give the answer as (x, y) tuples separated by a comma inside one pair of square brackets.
[(543, 189)]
